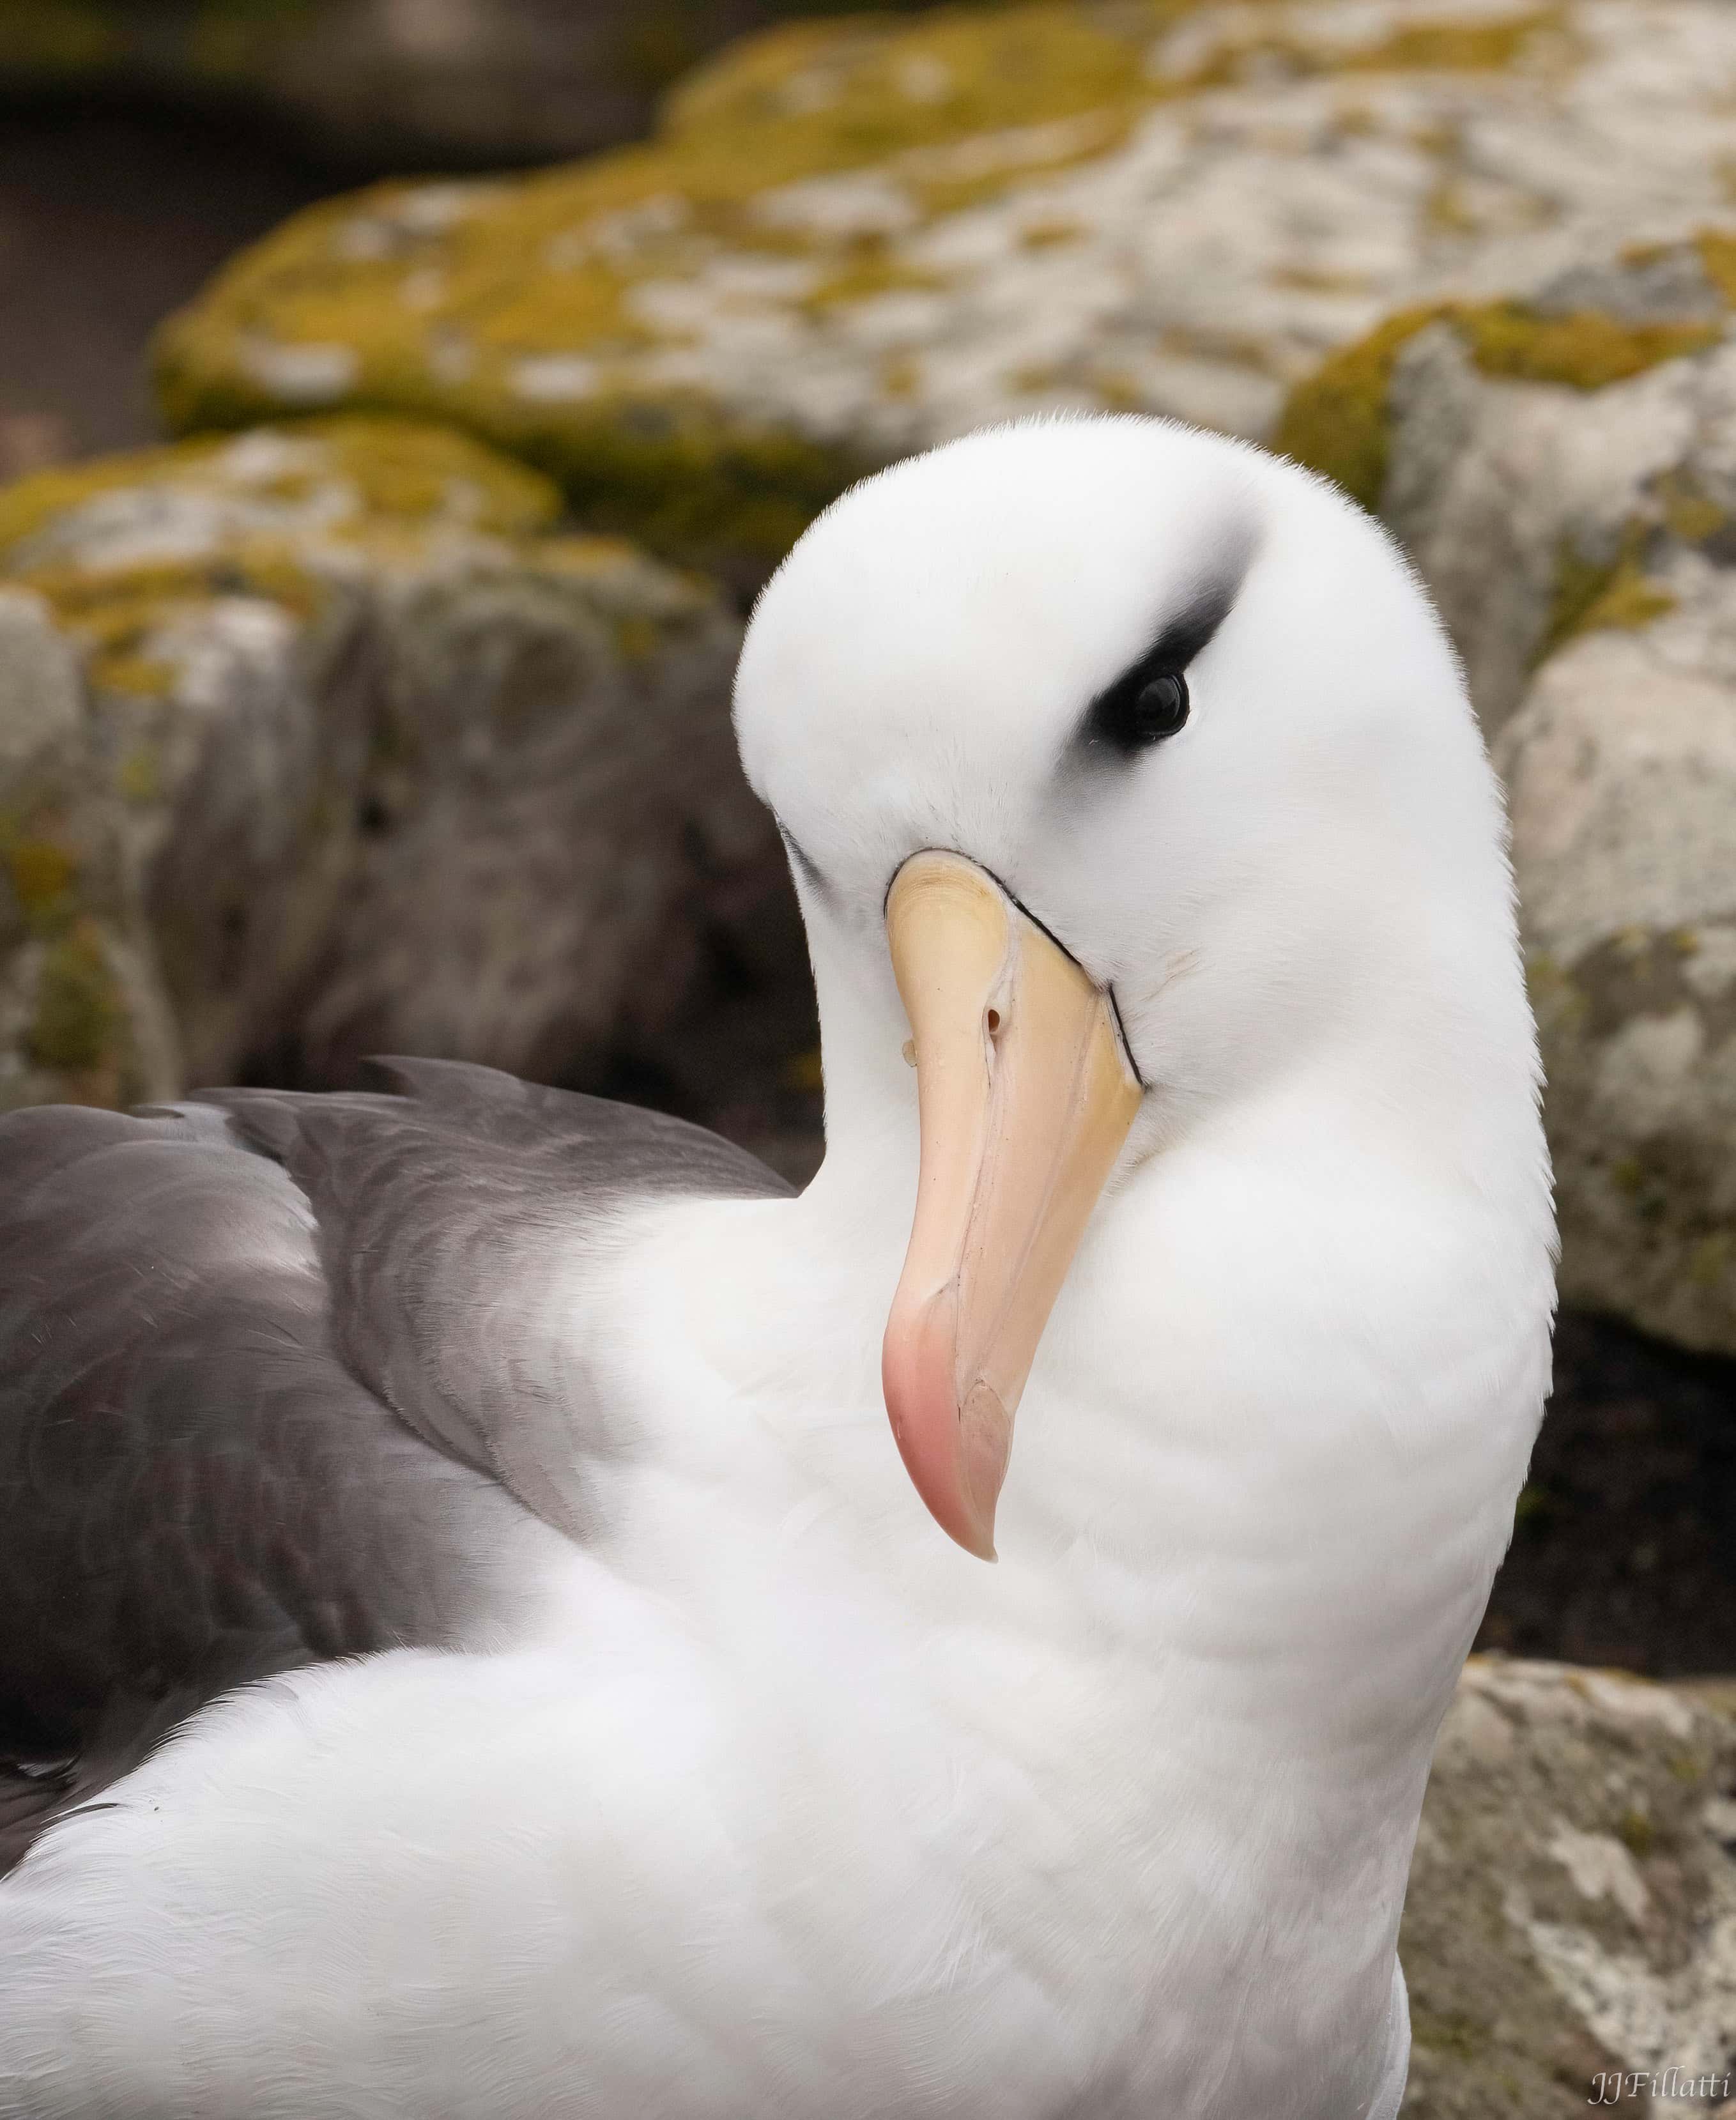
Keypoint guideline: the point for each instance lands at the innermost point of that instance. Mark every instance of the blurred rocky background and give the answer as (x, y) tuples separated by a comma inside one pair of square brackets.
[(377, 545)]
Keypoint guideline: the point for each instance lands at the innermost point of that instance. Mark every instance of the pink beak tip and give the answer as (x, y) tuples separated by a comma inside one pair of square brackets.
[(955, 1455)]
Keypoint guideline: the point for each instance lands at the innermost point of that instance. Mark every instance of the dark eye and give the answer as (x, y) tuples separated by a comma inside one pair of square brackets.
[(1161, 706), (1138, 710)]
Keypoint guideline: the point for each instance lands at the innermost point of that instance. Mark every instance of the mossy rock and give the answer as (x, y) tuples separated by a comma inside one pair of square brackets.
[(1555, 465), (79, 1014), (67, 1026), (1622, 764), (849, 239), (328, 738), (1568, 1918), (120, 548), (1337, 421), (1600, 595), (508, 306)]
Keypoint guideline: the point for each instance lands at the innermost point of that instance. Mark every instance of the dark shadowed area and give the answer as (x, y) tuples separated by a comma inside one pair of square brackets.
[(1624, 1551), (109, 219)]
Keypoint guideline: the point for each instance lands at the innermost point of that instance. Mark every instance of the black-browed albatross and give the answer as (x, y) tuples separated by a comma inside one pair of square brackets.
[(471, 1650)]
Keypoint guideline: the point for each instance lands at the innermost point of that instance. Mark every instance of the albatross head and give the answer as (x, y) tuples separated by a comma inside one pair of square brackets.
[(1125, 774)]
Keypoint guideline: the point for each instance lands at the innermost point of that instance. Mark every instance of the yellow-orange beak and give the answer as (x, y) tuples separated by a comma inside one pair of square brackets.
[(1026, 1094)]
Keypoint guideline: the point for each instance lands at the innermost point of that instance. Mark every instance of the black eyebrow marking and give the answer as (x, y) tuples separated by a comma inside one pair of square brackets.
[(1183, 637), (1191, 632)]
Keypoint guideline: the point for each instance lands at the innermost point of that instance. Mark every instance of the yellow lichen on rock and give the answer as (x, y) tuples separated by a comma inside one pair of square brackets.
[(861, 277), (162, 587), (119, 549), (1249, 45), (1583, 349), (643, 326), (69, 1024), (1557, 467), (79, 1015), (41, 874), (540, 265), (318, 725), (1689, 512), (1335, 420), (823, 96), (395, 468), (1717, 249), (1593, 596), (508, 306)]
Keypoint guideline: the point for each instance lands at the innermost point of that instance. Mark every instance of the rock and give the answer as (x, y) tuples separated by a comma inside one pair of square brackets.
[(1623, 768), (852, 239), (323, 740), (1563, 468), (1519, 504), (1571, 1916)]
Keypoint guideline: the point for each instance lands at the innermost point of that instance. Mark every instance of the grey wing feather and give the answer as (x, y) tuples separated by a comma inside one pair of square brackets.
[(193, 1489), (460, 1225), (207, 1315)]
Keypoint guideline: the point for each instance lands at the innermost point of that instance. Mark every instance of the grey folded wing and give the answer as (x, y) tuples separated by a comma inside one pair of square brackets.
[(464, 1226), (211, 1319)]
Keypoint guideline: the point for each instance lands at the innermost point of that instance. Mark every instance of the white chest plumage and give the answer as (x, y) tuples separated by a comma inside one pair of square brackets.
[(769, 1800), (786, 1854)]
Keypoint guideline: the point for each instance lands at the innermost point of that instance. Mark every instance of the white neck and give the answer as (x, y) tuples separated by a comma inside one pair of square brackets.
[(1263, 1472), (1277, 1372)]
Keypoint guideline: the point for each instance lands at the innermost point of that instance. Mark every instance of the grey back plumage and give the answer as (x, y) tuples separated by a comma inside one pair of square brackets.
[(278, 1374)]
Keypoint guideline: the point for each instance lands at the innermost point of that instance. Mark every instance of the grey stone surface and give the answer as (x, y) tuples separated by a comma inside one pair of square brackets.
[(1580, 544), (323, 742), (1172, 207), (1621, 765), (1572, 1905)]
